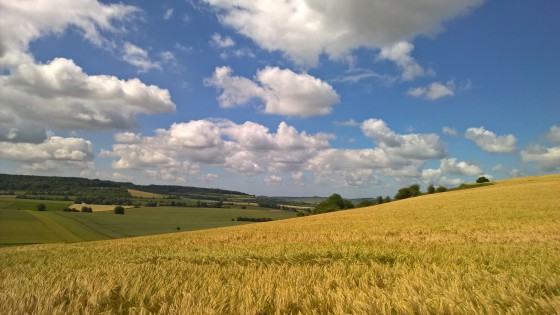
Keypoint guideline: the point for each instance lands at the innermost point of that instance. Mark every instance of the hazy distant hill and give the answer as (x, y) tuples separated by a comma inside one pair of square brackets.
[(76, 186)]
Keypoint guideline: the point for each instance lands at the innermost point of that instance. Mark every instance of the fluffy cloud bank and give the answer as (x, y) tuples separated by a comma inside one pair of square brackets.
[(414, 146), (59, 94), (250, 148), (490, 142), (247, 148), (54, 148), (554, 135), (54, 153), (547, 158), (25, 21), (305, 29), (451, 166), (282, 91)]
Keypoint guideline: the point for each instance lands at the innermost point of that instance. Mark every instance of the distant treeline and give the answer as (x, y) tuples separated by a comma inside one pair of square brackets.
[(96, 191), (253, 219), (183, 191), (51, 183), (75, 189)]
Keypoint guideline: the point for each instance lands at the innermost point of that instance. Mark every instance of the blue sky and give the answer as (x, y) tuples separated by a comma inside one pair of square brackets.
[(278, 98)]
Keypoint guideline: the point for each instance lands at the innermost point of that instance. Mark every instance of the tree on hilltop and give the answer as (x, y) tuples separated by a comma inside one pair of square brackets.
[(333, 203), (482, 179), (431, 189), (408, 192), (441, 189)]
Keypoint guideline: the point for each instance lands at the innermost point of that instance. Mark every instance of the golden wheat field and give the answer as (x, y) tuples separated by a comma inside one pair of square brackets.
[(489, 250), (143, 194)]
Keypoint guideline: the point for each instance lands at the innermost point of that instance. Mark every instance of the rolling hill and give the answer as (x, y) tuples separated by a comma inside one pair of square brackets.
[(493, 249)]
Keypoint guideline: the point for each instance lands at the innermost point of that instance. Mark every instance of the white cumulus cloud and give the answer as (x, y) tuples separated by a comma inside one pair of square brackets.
[(433, 91), (58, 94), (210, 177), (250, 148), (452, 166), (236, 90), (222, 42), (53, 154), (247, 148), (547, 158), (138, 57), (399, 53), (397, 155), (282, 91), (272, 180), (415, 146), (450, 131), (54, 148), (25, 21), (127, 137), (490, 142), (554, 135), (435, 177), (305, 29)]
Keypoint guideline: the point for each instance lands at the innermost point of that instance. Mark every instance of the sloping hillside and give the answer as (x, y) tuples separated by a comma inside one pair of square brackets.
[(493, 249)]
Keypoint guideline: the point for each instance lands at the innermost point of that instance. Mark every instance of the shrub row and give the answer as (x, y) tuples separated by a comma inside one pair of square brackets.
[(253, 219)]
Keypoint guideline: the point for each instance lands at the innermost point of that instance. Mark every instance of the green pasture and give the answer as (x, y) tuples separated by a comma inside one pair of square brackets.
[(21, 224), (19, 227), (31, 204), (160, 220)]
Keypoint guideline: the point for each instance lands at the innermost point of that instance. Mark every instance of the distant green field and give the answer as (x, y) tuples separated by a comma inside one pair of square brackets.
[(20, 227), (21, 224), (159, 220), (31, 204)]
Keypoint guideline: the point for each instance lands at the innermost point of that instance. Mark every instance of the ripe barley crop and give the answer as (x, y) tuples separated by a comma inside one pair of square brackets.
[(494, 249)]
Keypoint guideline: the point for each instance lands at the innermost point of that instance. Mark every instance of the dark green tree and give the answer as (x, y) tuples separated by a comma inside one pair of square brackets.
[(441, 189), (415, 190), (387, 199), (41, 207), (119, 210), (431, 189), (379, 200), (482, 179), (333, 203), (403, 193), (408, 192)]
